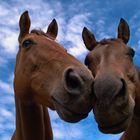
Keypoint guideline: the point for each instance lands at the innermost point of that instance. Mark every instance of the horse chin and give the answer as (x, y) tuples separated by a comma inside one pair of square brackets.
[(70, 116), (67, 114), (116, 128)]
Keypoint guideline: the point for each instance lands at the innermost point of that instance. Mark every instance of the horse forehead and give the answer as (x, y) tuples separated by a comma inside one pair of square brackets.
[(35, 37), (39, 38), (108, 50), (46, 42), (111, 45)]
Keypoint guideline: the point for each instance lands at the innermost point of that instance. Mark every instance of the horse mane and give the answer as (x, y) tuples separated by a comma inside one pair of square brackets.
[(138, 70), (105, 41), (39, 32)]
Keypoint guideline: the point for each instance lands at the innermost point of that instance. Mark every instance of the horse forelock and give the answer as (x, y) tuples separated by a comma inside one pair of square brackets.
[(105, 41), (39, 32)]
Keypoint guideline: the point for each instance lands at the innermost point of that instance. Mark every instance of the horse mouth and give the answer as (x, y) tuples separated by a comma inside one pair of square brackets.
[(66, 114), (115, 128)]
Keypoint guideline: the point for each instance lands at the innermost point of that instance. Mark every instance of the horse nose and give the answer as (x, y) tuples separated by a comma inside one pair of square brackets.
[(75, 80), (109, 86)]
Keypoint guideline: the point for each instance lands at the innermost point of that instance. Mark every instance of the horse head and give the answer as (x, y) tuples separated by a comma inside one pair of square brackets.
[(116, 79), (46, 74)]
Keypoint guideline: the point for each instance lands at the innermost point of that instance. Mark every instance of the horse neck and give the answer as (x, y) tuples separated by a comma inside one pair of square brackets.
[(32, 122), (133, 131)]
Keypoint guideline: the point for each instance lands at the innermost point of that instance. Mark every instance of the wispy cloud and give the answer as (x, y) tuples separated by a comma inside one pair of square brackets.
[(9, 41), (73, 34), (62, 130), (6, 87), (7, 118), (5, 113), (2, 61)]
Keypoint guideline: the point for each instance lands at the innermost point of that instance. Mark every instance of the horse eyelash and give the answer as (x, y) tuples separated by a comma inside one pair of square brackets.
[(27, 44)]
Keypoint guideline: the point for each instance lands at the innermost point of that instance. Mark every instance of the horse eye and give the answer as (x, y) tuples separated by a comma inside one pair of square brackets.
[(27, 43), (131, 52)]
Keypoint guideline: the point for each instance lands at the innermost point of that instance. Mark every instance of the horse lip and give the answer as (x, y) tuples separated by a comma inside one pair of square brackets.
[(74, 113), (118, 125)]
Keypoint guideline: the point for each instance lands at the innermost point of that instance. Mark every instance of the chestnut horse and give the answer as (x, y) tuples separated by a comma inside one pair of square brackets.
[(116, 104), (47, 76)]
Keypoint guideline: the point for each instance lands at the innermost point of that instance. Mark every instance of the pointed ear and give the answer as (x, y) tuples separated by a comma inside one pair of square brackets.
[(24, 24), (89, 39), (52, 29), (123, 31)]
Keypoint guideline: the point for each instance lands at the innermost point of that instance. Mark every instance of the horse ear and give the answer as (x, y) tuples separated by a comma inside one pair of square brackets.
[(89, 39), (24, 24), (123, 31), (52, 29)]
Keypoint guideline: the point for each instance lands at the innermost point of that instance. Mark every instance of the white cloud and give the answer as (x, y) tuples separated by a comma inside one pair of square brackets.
[(61, 129), (10, 18), (63, 132), (5, 138), (3, 61), (5, 113), (3, 11), (137, 48), (6, 87), (7, 99), (7, 118), (9, 41), (74, 34), (9, 15), (70, 31)]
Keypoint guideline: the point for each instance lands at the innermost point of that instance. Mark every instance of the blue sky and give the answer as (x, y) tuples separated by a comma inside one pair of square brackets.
[(101, 17)]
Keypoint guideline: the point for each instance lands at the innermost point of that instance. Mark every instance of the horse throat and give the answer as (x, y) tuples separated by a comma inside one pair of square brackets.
[(32, 122), (132, 133)]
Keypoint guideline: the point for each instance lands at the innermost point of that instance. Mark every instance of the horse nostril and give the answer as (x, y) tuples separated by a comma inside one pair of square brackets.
[(122, 92), (123, 85), (121, 98), (73, 82), (109, 86)]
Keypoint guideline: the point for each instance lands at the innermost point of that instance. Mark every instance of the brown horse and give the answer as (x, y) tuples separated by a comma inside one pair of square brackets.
[(47, 76), (116, 104)]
